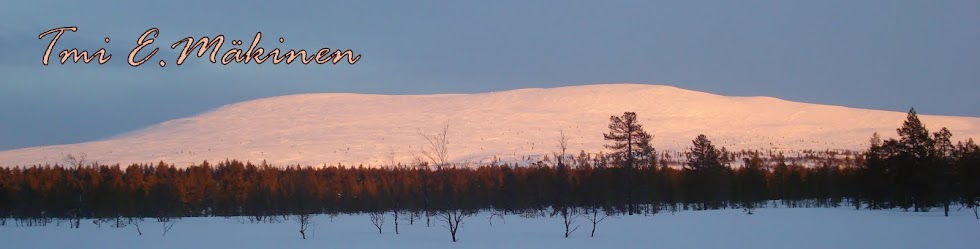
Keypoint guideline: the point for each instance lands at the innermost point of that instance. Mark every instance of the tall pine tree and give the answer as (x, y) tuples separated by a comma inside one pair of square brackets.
[(631, 146)]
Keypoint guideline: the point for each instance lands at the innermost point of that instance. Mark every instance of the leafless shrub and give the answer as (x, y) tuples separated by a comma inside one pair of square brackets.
[(76, 161), (377, 219), (437, 149), (595, 218), (452, 219), (306, 223), (569, 216), (167, 225), (496, 213)]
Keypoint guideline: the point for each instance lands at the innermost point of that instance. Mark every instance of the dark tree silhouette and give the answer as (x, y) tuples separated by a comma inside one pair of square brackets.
[(630, 143), (752, 183), (968, 171), (377, 219), (452, 219), (305, 223), (707, 174), (563, 205), (595, 218)]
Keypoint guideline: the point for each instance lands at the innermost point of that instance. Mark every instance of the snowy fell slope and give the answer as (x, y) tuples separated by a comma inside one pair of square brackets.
[(332, 128)]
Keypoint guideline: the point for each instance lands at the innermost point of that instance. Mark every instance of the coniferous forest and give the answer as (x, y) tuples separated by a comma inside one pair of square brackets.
[(920, 171)]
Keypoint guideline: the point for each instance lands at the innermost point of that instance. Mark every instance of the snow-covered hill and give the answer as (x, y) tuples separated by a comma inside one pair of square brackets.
[(332, 128)]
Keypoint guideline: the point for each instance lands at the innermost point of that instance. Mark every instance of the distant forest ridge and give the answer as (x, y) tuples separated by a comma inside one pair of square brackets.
[(918, 171)]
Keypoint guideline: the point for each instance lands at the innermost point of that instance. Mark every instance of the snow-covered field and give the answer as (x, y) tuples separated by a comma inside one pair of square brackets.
[(767, 228), (332, 128)]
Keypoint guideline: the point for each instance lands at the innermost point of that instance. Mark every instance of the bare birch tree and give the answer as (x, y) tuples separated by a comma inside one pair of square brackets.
[(562, 189), (562, 145), (569, 217), (595, 218), (437, 147), (452, 219), (377, 219), (76, 161), (306, 223)]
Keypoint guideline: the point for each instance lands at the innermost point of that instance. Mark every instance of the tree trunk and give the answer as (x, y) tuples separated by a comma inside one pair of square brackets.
[(396, 221), (453, 225), (565, 217)]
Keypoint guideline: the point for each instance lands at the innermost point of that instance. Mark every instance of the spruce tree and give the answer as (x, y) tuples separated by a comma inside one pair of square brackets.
[(916, 156), (707, 173)]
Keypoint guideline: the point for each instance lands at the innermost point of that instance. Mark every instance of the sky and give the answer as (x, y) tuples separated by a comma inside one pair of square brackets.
[(889, 55)]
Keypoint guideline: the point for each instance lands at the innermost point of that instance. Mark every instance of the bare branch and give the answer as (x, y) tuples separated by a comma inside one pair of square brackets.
[(166, 228), (390, 157), (377, 219), (452, 219), (437, 149), (76, 161), (562, 146), (305, 223), (595, 218)]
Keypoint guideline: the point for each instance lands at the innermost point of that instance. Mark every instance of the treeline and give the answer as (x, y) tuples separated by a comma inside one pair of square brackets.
[(233, 188), (919, 171)]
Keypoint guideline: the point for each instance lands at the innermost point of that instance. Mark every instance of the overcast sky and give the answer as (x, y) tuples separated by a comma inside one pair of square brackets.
[(888, 55)]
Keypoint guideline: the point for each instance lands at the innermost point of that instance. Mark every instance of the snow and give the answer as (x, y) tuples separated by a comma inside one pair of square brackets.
[(352, 129), (767, 228)]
